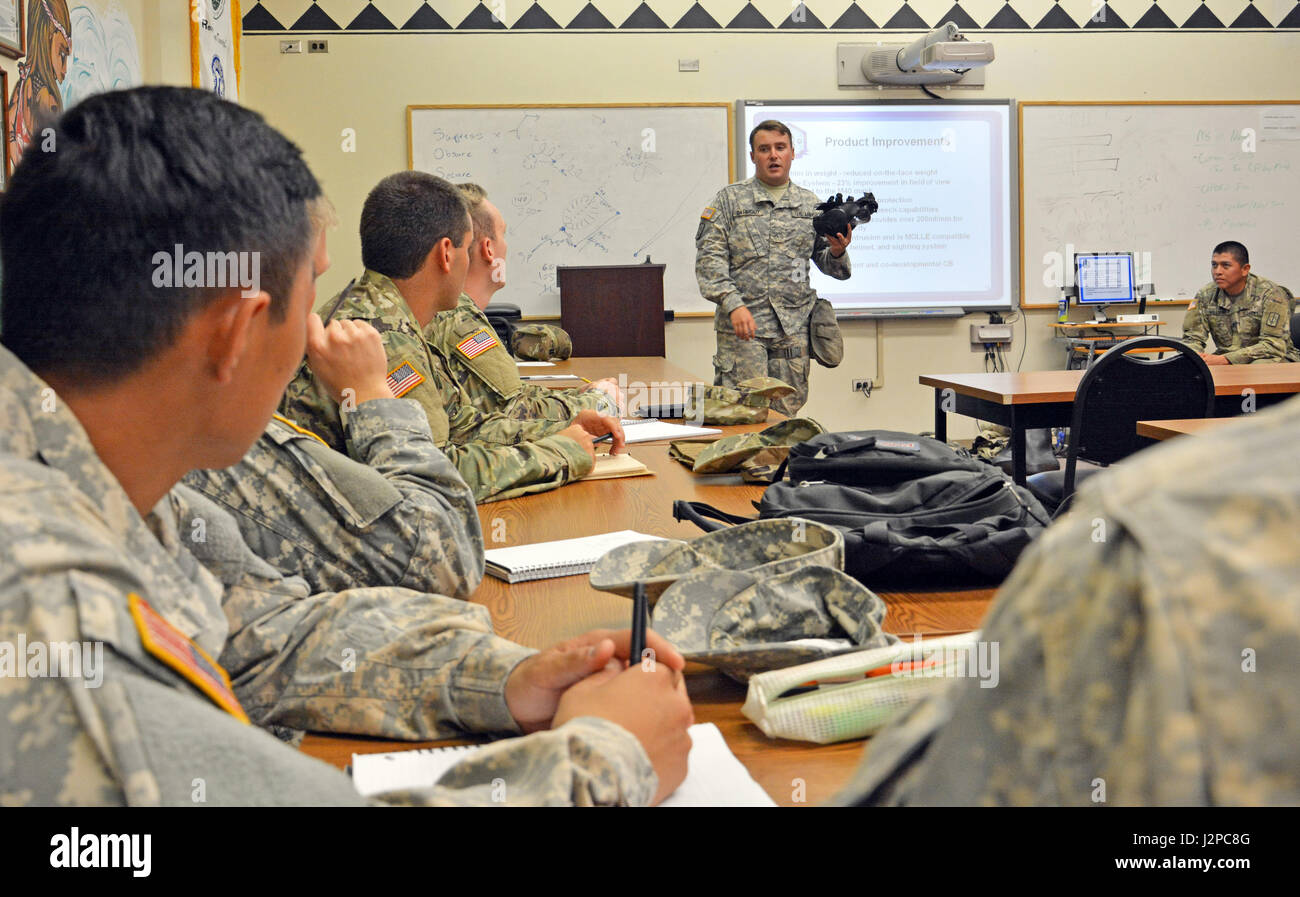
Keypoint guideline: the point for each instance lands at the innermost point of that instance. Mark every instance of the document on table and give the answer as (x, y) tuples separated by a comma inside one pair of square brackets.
[(535, 364), (564, 557), (714, 777), (651, 429)]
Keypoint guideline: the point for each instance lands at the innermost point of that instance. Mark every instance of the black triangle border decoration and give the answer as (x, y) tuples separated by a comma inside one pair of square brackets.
[(896, 15)]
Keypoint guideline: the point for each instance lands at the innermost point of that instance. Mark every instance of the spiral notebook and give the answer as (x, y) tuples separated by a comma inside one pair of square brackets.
[(714, 777), (546, 560)]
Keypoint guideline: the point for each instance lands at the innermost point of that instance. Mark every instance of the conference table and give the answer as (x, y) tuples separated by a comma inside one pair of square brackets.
[(1168, 429), (1036, 399), (540, 613)]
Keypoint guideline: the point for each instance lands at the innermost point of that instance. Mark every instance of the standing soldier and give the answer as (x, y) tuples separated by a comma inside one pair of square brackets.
[(752, 250)]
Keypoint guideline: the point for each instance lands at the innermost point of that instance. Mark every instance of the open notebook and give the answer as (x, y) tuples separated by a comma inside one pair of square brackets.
[(565, 557), (714, 778), (650, 429)]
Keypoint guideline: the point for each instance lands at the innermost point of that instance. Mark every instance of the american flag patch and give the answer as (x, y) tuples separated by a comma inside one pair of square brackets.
[(167, 643), (403, 379), (477, 343)]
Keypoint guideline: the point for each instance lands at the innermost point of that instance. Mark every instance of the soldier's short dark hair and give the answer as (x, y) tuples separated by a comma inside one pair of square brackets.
[(770, 125), (404, 217), (1234, 249), (126, 175)]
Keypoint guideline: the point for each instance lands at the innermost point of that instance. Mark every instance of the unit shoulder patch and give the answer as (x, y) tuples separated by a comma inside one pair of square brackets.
[(477, 343), (168, 644), (404, 378)]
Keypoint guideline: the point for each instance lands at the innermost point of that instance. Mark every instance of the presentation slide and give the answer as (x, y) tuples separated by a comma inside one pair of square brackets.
[(943, 176)]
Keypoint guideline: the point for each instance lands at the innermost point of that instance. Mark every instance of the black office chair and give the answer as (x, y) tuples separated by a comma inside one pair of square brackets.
[(1118, 391), (1295, 329), (503, 317)]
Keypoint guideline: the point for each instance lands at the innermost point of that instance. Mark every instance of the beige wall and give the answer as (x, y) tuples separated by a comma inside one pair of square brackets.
[(366, 81)]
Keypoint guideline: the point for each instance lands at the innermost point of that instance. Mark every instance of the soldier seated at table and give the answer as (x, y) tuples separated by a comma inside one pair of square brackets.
[(1248, 317), (115, 381), (486, 372), (415, 240), (397, 513)]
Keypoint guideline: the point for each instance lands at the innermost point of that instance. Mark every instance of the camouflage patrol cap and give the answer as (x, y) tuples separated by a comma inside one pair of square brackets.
[(762, 547), (746, 403), (540, 342), (745, 622), (729, 452)]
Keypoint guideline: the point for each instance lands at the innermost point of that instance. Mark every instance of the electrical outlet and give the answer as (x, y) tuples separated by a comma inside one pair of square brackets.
[(318, 46), (862, 385), (688, 65), (290, 46)]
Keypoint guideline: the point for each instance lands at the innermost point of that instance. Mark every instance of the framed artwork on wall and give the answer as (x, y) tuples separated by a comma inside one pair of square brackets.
[(13, 37), (4, 119)]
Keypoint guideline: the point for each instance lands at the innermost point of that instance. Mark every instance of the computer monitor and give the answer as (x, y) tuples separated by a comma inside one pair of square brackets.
[(1103, 278)]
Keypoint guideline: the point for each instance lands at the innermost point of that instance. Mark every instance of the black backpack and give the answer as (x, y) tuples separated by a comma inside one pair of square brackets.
[(913, 510)]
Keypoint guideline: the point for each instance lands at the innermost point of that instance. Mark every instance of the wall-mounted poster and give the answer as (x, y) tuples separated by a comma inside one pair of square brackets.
[(13, 40), (4, 117), (72, 53), (214, 46), (37, 99)]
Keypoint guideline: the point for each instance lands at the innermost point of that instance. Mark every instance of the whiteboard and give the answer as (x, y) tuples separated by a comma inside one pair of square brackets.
[(584, 185), (1165, 181)]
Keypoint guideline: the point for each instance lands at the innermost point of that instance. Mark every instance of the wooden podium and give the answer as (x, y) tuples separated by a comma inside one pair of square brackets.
[(613, 309)]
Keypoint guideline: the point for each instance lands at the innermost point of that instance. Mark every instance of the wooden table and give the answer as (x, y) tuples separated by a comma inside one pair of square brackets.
[(1166, 429), (1034, 399), (538, 614), (645, 380)]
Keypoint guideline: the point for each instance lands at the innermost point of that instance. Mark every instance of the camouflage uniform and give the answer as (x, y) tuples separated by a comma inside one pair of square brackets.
[(753, 252), (398, 515), (489, 378), (388, 662), (1253, 326), (1149, 640), (498, 456)]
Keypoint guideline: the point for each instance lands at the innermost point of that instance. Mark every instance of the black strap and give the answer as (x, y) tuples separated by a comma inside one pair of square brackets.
[(703, 515), (792, 352), (851, 446)]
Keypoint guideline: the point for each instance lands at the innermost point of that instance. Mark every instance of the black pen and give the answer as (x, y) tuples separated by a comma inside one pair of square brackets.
[(606, 438), (639, 613)]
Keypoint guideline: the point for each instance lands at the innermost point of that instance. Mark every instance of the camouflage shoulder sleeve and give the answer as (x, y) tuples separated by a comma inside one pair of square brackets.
[(445, 553), (586, 762), (125, 729), (306, 403), (409, 364), (498, 472), (1274, 321), (377, 661), (1195, 331), (559, 406), (469, 423), (713, 255)]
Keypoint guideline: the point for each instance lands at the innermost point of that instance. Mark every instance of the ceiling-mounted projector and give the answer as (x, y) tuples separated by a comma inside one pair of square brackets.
[(941, 57)]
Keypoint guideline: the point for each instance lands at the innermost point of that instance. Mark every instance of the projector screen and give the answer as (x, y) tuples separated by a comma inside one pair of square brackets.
[(943, 175)]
